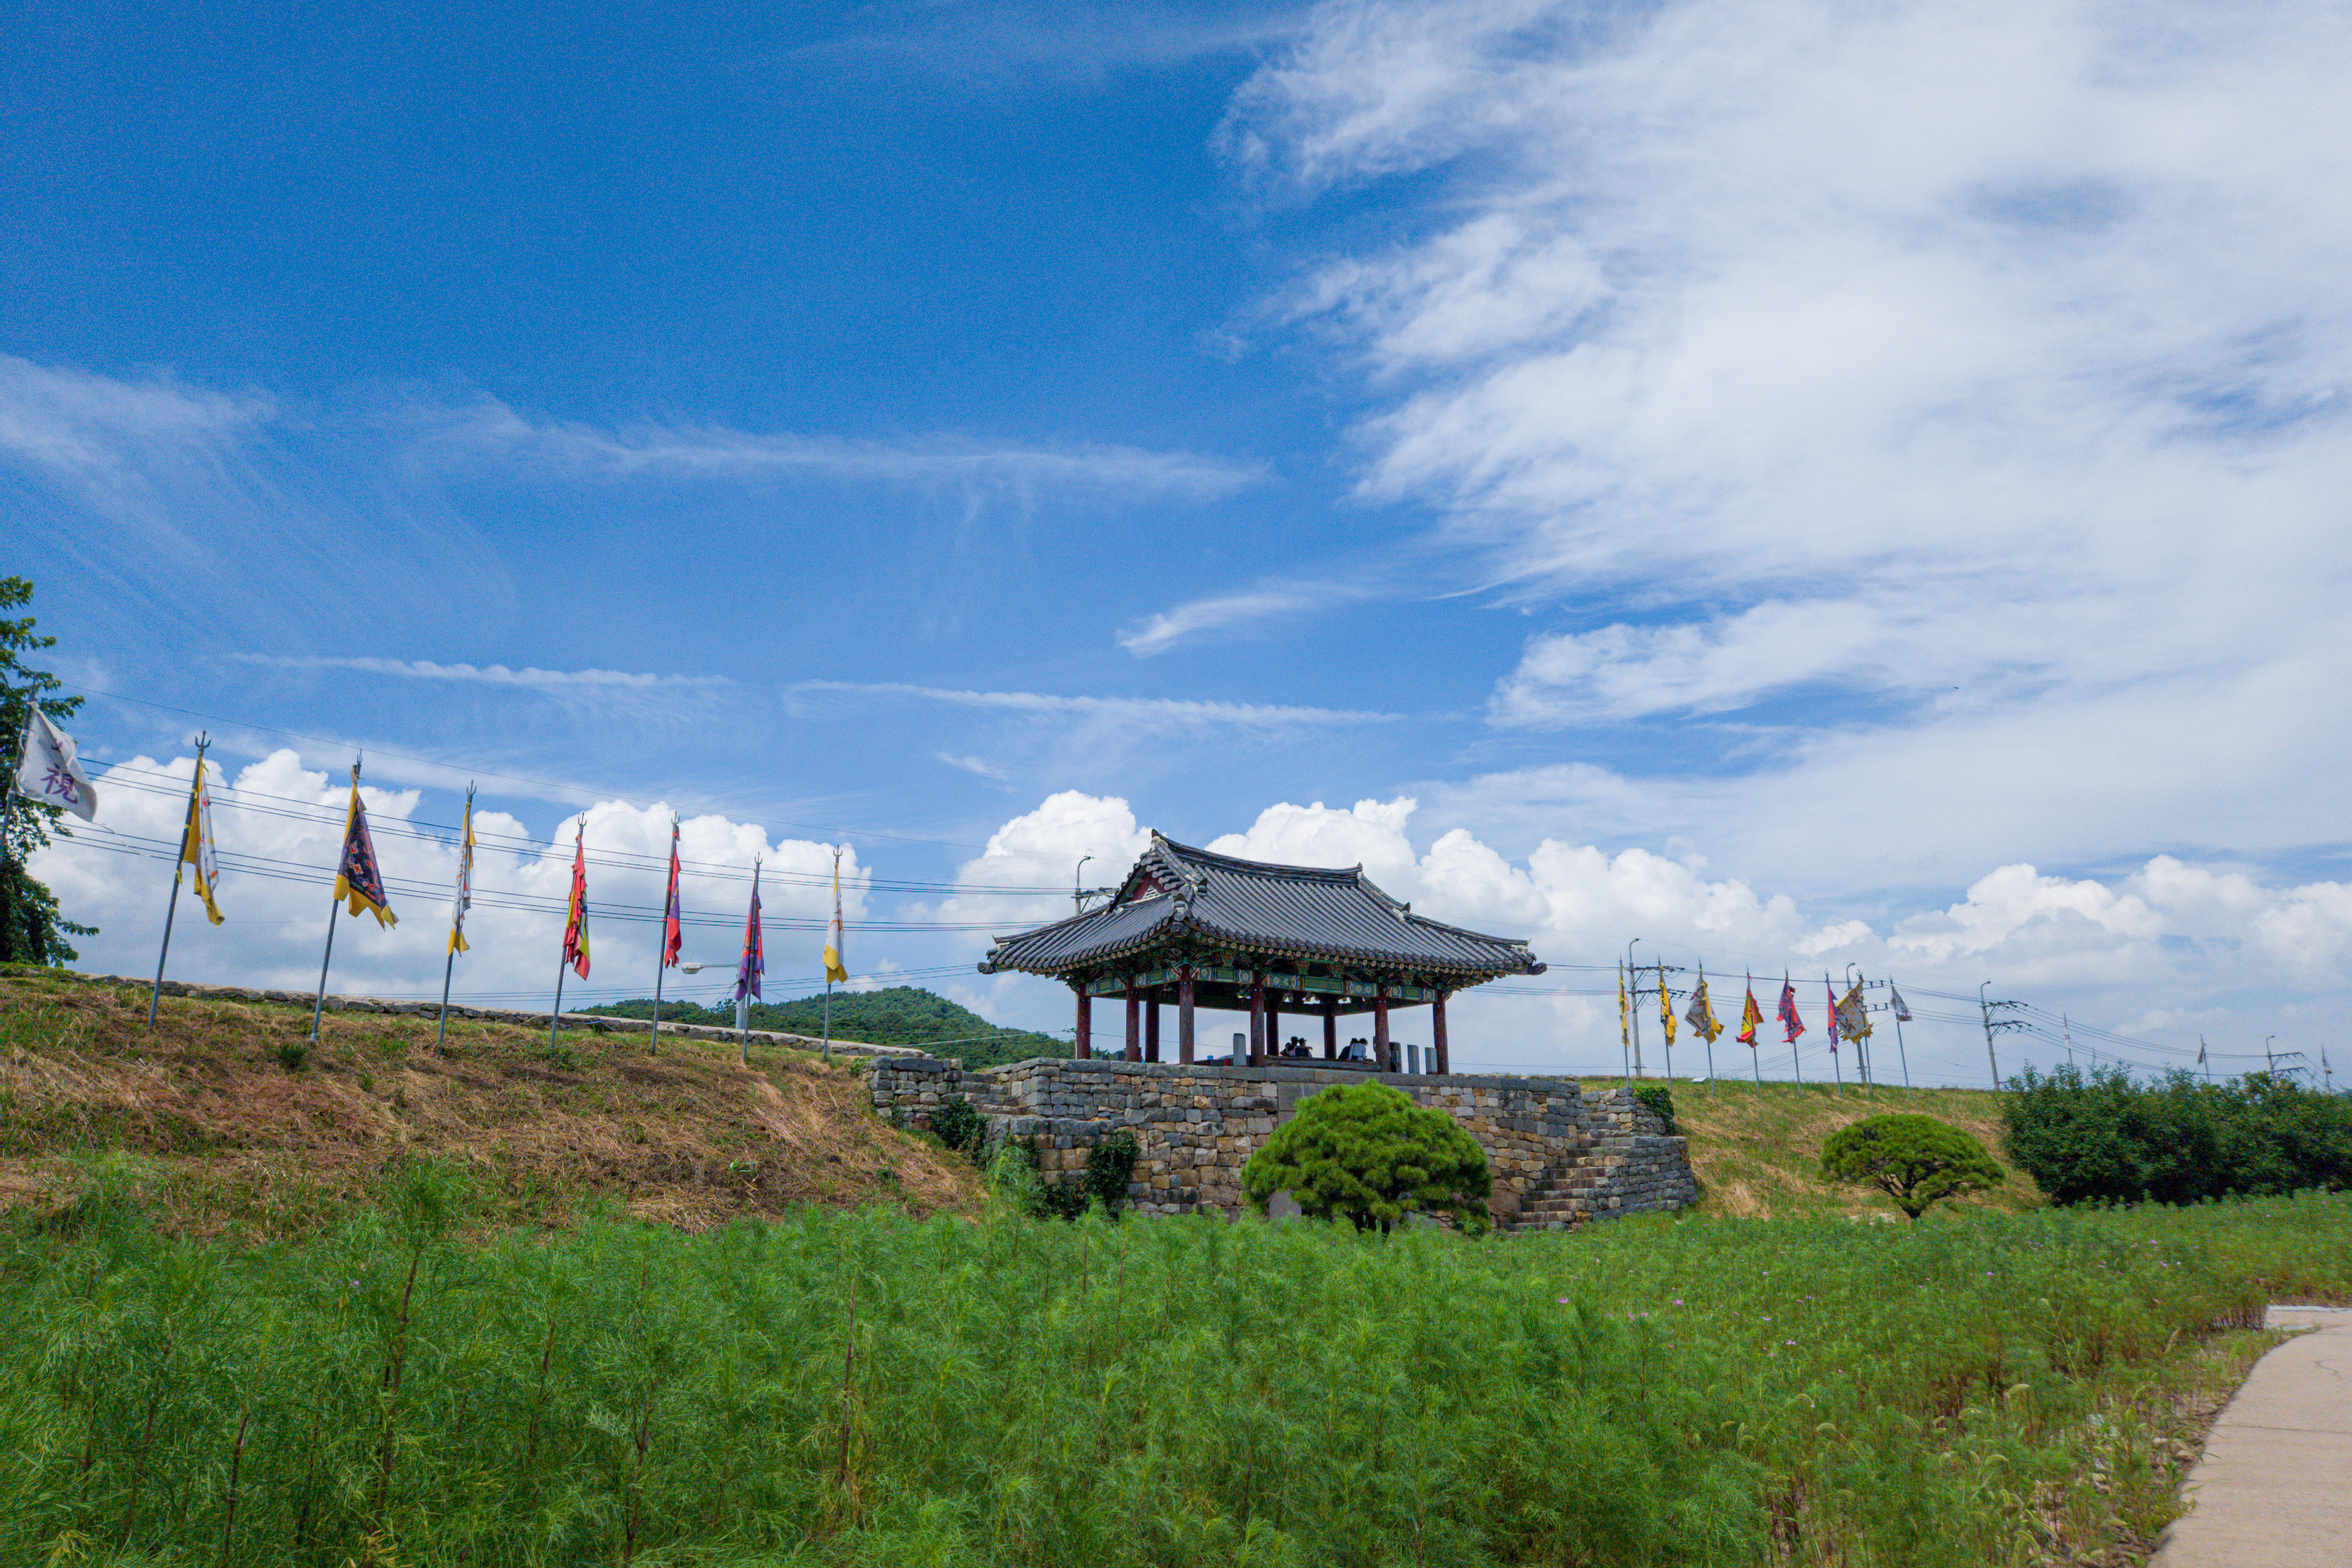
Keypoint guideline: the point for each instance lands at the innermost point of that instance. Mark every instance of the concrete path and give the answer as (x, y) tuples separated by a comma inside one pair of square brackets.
[(2274, 1488)]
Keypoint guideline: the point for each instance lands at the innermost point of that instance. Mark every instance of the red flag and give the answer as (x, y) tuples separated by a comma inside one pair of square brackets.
[(575, 918), (673, 936), (1832, 1016), (1788, 1014), (1750, 1016)]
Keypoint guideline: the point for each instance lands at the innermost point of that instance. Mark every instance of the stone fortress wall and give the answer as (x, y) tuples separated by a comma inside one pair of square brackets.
[(1562, 1155)]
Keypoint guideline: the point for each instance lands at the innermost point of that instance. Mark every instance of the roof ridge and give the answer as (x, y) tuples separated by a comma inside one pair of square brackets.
[(1236, 863)]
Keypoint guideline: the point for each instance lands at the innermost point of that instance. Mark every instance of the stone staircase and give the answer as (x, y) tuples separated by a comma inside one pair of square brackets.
[(1561, 1201)]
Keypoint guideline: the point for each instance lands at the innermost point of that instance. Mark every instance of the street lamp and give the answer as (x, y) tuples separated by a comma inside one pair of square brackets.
[(2269, 1061), (1078, 893)]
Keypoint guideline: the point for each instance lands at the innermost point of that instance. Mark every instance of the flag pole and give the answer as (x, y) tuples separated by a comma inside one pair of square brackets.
[(179, 865), (1836, 1066), (319, 1003), (562, 960), (661, 940), (449, 964)]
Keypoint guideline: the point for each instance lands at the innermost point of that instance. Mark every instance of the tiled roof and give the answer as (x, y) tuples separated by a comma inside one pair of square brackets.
[(1176, 892)]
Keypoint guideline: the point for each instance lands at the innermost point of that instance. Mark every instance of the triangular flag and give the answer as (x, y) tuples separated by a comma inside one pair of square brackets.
[(49, 772), (754, 962), (462, 898), (673, 928), (1751, 1016), (196, 847), (575, 914), (1788, 1014), (833, 964), (1666, 1004), (1902, 1008), (357, 879), (1701, 1016)]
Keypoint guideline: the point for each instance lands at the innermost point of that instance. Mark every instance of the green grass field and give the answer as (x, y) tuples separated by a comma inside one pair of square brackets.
[(863, 1387)]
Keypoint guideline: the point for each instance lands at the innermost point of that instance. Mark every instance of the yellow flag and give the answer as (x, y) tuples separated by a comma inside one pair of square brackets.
[(833, 943), (464, 898), (1624, 1013), (196, 847), (1666, 1004)]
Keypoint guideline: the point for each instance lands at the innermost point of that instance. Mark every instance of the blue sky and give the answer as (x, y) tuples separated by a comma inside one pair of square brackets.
[(1793, 485)]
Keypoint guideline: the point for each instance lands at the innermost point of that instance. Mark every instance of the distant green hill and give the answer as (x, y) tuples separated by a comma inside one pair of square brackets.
[(900, 1015)]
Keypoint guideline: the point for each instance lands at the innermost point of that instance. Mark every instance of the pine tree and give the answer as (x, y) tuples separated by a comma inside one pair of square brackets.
[(31, 929)]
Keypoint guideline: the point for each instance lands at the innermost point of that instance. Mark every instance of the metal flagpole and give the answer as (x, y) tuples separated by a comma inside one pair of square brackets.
[(456, 913), (318, 1004), (661, 939), (1835, 1066), (179, 865), (562, 959)]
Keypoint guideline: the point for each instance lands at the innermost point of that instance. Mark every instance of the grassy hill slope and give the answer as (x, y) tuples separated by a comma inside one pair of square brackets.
[(1758, 1152), (215, 1128), (894, 1015)]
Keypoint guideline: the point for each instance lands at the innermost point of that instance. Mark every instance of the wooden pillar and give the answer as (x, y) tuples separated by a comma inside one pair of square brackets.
[(1152, 1027), (1274, 1027), (1330, 1029), (1082, 1043), (1257, 1020), (1380, 1050), (1185, 1017), (1437, 1035), (1134, 1021)]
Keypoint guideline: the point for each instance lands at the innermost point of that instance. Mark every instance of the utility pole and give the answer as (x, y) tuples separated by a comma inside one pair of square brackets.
[(1992, 1028), (1633, 1004), (2270, 1062)]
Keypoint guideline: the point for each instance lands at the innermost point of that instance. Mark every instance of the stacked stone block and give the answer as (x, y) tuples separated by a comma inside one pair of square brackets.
[(1562, 1154)]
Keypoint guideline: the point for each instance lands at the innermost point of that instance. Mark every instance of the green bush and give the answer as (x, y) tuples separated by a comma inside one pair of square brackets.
[(1661, 1101), (959, 1126), (1915, 1159), (2101, 1137), (1367, 1153), (1111, 1167)]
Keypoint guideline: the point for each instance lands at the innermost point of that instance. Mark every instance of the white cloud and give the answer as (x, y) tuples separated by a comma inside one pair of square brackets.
[(1163, 631), (488, 430), (273, 932), (1986, 361), (1154, 710), (2163, 954), (500, 675)]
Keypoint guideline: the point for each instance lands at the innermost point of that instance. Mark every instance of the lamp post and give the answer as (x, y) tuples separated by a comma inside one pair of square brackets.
[(2270, 1062), (1078, 893)]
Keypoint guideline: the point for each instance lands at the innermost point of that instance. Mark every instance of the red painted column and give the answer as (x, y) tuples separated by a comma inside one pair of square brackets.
[(1184, 1018), (1437, 1034), (1134, 1022), (1152, 1027), (1257, 1020), (1380, 1028), (1330, 1029), (1082, 1042), (1274, 1027)]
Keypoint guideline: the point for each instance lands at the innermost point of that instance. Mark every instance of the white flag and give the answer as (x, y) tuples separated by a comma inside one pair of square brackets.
[(49, 774)]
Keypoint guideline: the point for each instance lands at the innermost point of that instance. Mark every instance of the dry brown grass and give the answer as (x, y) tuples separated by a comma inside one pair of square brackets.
[(1756, 1152), (216, 1130)]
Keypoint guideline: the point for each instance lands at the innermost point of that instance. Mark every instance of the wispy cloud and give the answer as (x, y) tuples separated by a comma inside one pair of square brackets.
[(1157, 710), (1985, 362), (1169, 627), (978, 765), (499, 674), (1036, 44), (488, 430)]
